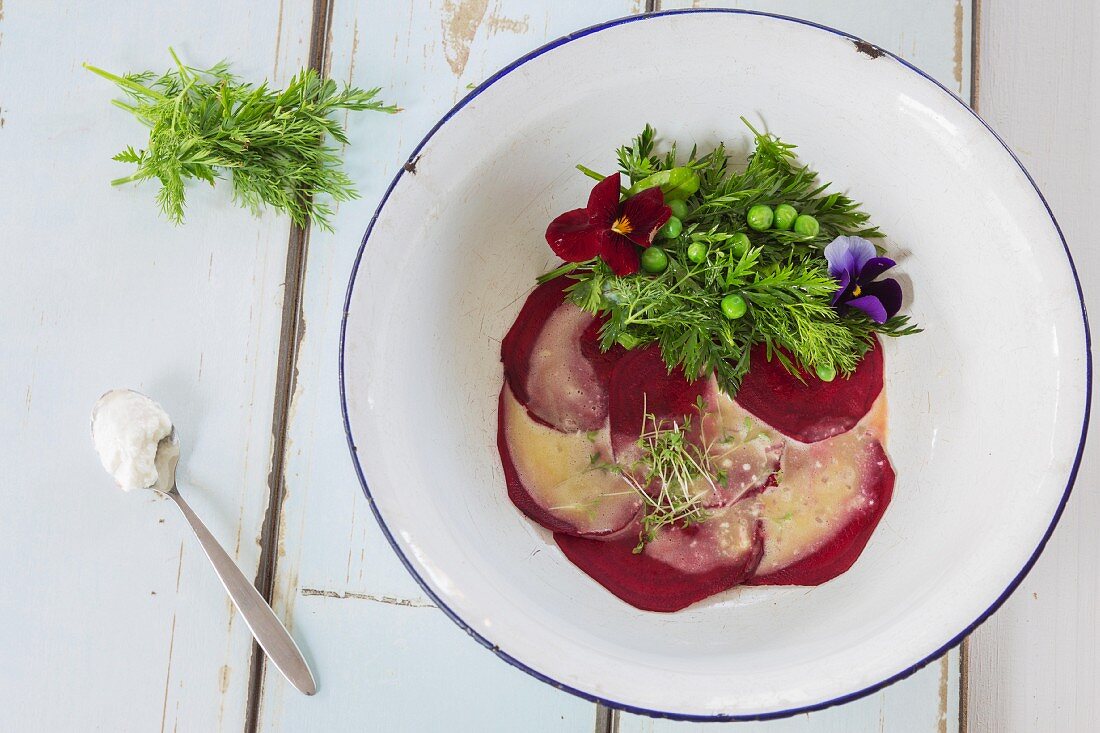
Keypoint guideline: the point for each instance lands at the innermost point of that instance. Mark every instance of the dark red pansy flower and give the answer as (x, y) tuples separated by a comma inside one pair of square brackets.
[(609, 229)]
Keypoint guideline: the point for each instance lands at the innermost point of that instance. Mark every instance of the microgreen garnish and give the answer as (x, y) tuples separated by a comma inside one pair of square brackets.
[(206, 122), (737, 274), (668, 476)]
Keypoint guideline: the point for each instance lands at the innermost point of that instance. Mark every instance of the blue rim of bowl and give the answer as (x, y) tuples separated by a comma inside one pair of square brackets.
[(954, 641)]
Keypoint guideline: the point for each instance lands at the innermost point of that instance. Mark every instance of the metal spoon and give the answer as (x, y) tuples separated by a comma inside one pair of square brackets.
[(272, 636)]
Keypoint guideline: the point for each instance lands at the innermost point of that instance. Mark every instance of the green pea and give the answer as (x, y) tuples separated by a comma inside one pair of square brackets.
[(654, 260), (697, 252), (760, 217), (740, 243), (679, 208), (806, 225), (671, 229), (734, 306), (785, 214), (826, 372)]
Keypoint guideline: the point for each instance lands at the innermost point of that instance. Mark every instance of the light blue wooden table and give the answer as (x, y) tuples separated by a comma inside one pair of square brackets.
[(110, 618)]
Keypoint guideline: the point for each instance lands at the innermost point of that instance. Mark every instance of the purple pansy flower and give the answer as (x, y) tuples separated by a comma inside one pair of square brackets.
[(854, 263)]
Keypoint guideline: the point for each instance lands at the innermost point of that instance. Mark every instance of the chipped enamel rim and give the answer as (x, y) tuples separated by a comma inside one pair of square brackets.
[(864, 47)]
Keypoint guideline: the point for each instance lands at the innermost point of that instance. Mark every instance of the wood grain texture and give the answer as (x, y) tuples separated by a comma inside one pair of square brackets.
[(927, 702), (1034, 663), (381, 651), (111, 617)]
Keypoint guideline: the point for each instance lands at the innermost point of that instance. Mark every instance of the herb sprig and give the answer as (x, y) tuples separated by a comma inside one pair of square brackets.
[(782, 274), (205, 122), (673, 465)]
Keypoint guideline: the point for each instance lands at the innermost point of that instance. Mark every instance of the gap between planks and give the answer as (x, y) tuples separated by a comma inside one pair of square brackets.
[(291, 332), (975, 80)]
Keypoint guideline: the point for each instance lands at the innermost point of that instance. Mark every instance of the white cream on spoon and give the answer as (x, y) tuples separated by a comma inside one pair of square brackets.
[(140, 449), (127, 427)]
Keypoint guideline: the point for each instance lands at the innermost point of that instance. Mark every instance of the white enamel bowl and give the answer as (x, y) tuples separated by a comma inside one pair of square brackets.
[(987, 406)]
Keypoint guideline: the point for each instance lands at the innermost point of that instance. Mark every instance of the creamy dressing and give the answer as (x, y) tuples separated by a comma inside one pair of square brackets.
[(723, 539), (561, 472), (746, 450), (819, 489)]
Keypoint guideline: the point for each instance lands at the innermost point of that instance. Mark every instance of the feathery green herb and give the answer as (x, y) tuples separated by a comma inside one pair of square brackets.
[(782, 275), (273, 143)]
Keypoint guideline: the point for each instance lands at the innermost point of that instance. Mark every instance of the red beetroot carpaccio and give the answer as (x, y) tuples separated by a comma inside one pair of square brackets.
[(685, 565)]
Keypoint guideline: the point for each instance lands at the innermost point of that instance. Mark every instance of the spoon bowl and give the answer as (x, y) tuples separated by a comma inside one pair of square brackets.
[(168, 457)]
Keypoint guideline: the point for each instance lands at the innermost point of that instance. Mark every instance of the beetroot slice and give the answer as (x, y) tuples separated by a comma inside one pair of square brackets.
[(609, 516), (650, 584), (814, 410), (552, 360), (641, 384), (519, 342), (516, 490), (740, 447), (839, 553), (602, 361)]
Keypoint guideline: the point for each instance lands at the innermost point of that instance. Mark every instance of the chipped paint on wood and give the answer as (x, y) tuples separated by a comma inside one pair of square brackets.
[(497, 23), (408, 602), (957, 69), (179, 569), (964, 685), (326, 66), (460, 22), (168, 672), (278, 41), (945, 676), (223, 677), (351, 60)]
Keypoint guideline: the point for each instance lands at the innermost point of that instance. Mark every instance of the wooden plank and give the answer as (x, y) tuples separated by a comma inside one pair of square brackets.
[(379, 653), (111, 617), (1034, 664), (935, 36), (927, 702)]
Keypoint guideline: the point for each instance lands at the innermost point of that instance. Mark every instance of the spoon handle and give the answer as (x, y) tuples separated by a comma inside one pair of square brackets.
[(272, 636)]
